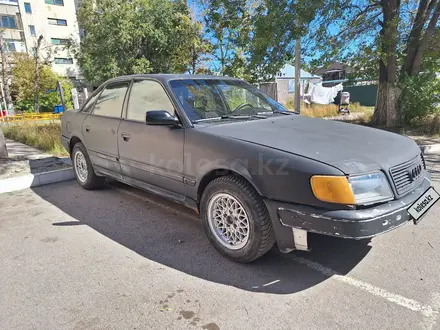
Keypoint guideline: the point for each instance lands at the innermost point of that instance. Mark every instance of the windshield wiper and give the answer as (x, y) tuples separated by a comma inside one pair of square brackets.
[(206, 119), (236, 117), (277, 112), (229, 117), (259, 115)]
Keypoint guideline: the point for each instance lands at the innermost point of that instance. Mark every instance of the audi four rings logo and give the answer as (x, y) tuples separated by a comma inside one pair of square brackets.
[(415, 172)]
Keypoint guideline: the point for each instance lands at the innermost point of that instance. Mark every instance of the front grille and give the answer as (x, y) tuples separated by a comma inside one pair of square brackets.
[(408, 175)]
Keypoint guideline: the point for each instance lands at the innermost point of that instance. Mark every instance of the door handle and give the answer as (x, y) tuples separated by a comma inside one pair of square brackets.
[(126, 136), (87, 128)]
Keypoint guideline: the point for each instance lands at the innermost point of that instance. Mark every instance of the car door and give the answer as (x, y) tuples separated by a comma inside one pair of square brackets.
[(151, 154), (100, 128)]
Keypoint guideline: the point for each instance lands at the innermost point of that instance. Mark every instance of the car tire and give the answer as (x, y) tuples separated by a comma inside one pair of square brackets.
[(83, 169), (236, 219)]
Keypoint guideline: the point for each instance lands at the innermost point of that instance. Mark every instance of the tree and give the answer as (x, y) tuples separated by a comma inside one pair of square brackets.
[(199, 49), (393, 34), (253, 39), (138, 36), (227, 24), (23, 84)]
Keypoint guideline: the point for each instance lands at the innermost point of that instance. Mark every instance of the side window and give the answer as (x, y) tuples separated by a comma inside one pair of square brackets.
[(90, 101), (111, 100), (147, 95)]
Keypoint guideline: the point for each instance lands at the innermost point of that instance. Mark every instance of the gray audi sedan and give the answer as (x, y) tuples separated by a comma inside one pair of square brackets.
[(257, 173)]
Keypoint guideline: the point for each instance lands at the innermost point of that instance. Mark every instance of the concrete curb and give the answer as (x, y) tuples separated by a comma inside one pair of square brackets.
[(430, 149), (35, 180)]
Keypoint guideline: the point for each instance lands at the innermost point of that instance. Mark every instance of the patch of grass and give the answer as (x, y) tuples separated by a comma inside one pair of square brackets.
[(429, 125), (45, 137), (319, 110), (357, 107), (328, 110)]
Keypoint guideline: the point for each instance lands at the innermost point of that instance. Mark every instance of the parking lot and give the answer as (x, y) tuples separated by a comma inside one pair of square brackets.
[(119, 258)]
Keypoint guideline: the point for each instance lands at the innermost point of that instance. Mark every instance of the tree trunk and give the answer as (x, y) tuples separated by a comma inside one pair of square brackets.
[(194, 60), (37, 76), (423, 12), (222, 57), (385, 112), (417, 61)]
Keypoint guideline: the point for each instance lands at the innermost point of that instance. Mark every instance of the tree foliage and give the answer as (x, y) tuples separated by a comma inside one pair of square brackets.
[(420, 96), (23, 85), (137, 36), (253, 39)]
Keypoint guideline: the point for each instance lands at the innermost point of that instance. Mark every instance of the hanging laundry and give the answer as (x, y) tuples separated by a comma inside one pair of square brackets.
[(324, 95)]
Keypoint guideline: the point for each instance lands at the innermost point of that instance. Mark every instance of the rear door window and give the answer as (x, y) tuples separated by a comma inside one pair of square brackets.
[(111, 100), (89, 105)]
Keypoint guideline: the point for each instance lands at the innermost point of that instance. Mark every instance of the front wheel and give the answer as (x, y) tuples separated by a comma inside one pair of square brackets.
[(235, 219), (84, 173)]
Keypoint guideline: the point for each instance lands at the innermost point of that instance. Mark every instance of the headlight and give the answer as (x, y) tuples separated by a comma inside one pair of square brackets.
[(370, 188), (362, 189)]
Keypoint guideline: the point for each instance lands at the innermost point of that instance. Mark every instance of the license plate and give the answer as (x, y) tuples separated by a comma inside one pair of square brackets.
[(423, 204)]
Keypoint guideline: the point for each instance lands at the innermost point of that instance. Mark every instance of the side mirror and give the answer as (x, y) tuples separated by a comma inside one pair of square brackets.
[(160, 117)]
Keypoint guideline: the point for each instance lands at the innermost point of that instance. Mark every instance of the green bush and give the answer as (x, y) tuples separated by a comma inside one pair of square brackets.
[(420, 96)]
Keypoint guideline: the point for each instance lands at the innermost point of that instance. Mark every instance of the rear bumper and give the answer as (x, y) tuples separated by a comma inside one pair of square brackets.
[(352, 224)]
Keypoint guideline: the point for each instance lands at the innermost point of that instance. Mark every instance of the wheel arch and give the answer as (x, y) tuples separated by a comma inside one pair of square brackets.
[(73, 140), (219, 172)]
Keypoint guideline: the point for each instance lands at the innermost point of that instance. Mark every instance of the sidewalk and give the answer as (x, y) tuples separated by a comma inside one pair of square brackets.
[(30, 167), (429, 145)]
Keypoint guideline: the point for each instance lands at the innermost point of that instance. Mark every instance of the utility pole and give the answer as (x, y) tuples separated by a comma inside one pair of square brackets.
[(36, 75), (297, 101)]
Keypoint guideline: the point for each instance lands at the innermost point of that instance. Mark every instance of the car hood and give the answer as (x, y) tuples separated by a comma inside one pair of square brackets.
[(351, 148)]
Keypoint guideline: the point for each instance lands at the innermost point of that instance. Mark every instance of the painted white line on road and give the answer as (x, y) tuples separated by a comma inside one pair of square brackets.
[(429, 313)]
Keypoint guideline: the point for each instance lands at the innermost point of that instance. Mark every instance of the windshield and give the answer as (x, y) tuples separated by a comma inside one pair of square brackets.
[(213, 98)]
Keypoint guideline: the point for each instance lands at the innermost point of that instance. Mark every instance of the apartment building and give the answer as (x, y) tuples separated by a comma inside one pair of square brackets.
[(10, 23), (24, 21)]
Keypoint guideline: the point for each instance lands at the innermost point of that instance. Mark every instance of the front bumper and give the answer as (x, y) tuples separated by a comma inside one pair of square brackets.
[(352, 224)]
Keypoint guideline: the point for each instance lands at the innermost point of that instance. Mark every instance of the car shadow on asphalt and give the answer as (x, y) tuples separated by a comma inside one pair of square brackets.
[(172, 235)]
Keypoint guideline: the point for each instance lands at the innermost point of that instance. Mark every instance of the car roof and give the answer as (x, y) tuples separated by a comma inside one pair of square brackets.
[(167, 77)]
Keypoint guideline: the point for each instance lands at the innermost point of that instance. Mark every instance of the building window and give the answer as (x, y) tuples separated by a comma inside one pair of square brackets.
[(8, 22), (56, 21), (58, 41), (10, 45), (32, 30), (55, 2), (27, 8), (62, 60)]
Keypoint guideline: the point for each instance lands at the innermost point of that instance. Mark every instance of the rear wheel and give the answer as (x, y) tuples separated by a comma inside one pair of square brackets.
[(84, 173), (235, 219)]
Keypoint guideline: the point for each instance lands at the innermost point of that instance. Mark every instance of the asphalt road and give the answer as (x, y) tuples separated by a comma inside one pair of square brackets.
[(119, 258)]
